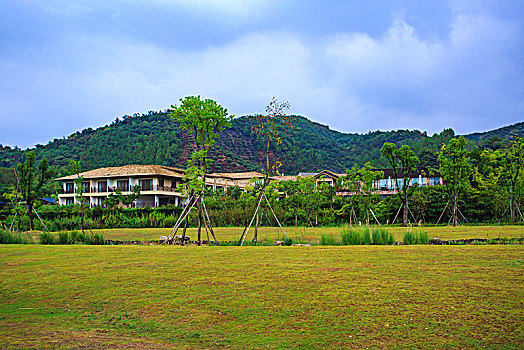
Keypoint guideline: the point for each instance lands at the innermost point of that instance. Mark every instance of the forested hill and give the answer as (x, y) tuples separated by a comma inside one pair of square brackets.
[(154, 138)]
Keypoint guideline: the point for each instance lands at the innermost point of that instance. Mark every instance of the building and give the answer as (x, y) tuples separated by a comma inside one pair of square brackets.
[(158, 184)]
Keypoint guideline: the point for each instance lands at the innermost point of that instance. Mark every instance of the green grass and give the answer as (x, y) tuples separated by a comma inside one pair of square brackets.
[(175, 297)]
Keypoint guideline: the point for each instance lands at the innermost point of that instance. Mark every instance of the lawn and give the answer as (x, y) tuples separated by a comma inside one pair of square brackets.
[(313, 234), (172, 297)]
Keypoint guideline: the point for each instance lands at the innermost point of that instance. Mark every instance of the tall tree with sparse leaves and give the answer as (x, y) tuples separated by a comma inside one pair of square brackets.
[(267, 128)]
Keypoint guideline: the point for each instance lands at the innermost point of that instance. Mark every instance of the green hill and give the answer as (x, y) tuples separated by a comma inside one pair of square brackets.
[(154, 138)]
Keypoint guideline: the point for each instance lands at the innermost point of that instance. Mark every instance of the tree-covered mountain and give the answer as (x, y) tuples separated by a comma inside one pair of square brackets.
[(154, 138)]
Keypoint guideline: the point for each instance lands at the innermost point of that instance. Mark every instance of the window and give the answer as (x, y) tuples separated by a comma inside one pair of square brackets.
[(70, 187), (146, 185), (123, 185), (434, 181), (85, 186), (102, 186), (69, 201)]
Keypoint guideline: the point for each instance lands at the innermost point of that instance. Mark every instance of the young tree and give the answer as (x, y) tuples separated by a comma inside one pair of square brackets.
[(267, 128), (404, 163), (204, 119), (512, 177), (31, 183), (455, 170), (360, 185), (75, 169)]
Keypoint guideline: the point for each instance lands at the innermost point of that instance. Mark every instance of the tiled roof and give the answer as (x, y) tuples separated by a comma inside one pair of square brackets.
[(245, 175), (127, 170)]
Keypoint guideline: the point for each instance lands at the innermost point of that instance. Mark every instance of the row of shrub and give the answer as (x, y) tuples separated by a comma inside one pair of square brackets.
[(7, 237), (372, 236), (74, 237), (359, 236)]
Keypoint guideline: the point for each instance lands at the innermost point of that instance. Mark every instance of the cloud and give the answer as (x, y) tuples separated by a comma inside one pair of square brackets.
[(469, 78)]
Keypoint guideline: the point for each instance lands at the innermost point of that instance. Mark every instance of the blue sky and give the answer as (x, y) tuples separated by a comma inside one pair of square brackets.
[(356, 66)]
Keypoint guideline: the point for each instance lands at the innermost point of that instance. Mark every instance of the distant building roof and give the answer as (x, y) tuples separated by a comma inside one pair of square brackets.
[(237, 176), (127, 170), (388, 172), (48, 200)]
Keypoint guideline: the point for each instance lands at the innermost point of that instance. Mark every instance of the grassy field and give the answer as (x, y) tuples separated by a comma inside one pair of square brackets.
[(171, 297), (313, 234)]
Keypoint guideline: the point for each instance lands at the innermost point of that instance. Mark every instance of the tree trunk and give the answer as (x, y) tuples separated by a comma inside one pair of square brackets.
[(256, 229), (184, 231), (405, 213), (512, 209), (82, 218), (30, 212), (455, 211)]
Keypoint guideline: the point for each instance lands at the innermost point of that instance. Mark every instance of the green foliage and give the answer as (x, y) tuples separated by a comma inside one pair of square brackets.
[(455, 169), (7, 237), (204, 120), (420, 237), (46, 238), (328, 239)]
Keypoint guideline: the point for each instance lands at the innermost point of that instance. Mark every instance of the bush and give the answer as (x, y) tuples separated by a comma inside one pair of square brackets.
[(420, 237), (7, 237), (63, 238), (288, 241), (423, 237), (328, 239), (377, 236), (366, 235), (46, 238)]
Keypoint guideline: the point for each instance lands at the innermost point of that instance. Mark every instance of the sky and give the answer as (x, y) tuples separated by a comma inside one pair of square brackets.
[(357, 66)]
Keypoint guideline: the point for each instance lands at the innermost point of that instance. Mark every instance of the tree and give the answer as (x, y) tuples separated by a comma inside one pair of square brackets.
[(455, 169), (360, 185), (74, 169), (512, 174), (404, 162), (267, 128), (204, 120), (31, 183)]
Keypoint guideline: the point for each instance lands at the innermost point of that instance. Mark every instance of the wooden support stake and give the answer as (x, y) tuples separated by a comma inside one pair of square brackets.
[(209, 222), (521, 217), (274, 215), (440, 217), (378, 222), (182, 217), (40, 219), (246, 229), (398, 212)]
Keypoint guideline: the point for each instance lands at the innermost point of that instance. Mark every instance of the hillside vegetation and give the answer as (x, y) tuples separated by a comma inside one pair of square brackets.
[(154, 138)]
